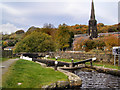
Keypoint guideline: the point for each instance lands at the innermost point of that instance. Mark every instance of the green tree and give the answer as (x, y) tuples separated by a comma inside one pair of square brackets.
[(64, 37), (5, 37), (99, 43), (4, 44), (90, 44), (35, 42), (30, 30), (100, 25), (12, 42), (112, 29), (19, 32)]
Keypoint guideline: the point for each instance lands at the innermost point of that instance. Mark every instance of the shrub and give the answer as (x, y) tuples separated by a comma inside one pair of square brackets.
[(35, 42)]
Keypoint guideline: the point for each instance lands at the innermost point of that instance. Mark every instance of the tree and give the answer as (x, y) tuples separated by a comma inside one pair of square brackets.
[(99, 43), (12, 42), (19, 32), (30, 30), (111, 41), (90, 44), (79, 42), (64, 37), (112, 29), (4, 44), (35, 42), (5, 37), (100, 25)]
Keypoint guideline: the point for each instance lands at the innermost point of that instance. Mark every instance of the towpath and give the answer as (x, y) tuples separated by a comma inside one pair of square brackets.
[(4, 66)]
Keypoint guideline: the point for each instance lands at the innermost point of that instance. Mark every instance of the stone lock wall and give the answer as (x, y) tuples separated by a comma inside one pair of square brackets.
[(79, 56), (82, 56), (105, 57)]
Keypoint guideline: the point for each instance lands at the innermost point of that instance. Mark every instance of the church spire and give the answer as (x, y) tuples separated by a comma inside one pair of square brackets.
[(92, 12), (92, 31)]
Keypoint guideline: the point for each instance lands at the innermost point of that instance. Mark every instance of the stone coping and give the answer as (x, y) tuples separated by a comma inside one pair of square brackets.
[(115, 72), (74, 80), (72, 68)]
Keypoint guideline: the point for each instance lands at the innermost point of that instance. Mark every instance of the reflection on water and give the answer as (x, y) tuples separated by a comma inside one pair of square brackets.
[(93, 79)]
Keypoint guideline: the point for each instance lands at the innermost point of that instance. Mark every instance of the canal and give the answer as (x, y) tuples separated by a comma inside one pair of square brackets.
[(93, 79)]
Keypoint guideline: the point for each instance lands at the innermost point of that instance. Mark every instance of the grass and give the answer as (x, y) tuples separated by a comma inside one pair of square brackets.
[(5, 59), (31, 75), (105, 65), (64, 60)]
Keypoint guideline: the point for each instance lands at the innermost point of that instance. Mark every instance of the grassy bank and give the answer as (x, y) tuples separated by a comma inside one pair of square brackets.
[(105, 65), (5, 59), (31, 75), (64, 60)]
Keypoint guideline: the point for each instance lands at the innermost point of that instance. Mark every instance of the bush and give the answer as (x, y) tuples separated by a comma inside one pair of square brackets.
[(112, 29), (90, 44), (35, 42)]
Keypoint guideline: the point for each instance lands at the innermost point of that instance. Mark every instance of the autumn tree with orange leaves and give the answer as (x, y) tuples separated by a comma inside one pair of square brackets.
[(99, 43)]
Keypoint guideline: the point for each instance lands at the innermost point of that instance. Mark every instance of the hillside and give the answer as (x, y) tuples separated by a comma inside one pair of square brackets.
[(12, 39)]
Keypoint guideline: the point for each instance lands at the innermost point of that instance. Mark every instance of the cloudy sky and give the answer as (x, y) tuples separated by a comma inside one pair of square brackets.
[(23, 14)]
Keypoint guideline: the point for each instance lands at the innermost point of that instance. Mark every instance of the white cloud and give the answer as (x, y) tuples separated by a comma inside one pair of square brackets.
[(70, 11), (8, 28), (78, 10), (9, 9), (58, 0), (108, 14)]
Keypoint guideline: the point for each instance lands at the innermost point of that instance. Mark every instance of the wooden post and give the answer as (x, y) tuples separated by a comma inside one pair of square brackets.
[(55, 66), (91, 63), (118, 60), (47, 63), (85, 64), (114, 59), (72, 65)]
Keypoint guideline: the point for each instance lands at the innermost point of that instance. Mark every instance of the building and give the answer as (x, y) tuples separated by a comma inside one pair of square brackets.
[(92, 31), (8, 48)]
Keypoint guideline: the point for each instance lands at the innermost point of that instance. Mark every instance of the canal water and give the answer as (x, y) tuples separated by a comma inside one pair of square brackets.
[(93, 79)]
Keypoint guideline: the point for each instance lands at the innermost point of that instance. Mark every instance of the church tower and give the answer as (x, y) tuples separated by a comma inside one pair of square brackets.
[(92, 31)]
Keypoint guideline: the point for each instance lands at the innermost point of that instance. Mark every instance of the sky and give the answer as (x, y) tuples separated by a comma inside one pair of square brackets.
[(23, 14)]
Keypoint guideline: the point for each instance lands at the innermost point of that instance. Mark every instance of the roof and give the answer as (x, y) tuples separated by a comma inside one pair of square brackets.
[(92, 12), (8, 48)]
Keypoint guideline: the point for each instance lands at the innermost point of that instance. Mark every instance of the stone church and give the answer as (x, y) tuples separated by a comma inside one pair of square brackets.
[(92, 31)]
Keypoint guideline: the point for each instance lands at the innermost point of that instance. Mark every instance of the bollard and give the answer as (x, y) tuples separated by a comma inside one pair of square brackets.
[(56, 63), (33, 60), (114, 60), (72, 62)]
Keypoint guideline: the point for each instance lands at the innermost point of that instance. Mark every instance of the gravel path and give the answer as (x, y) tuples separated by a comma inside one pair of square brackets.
[(4, 67), (7, 64)]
